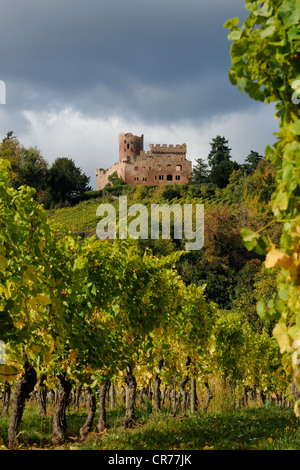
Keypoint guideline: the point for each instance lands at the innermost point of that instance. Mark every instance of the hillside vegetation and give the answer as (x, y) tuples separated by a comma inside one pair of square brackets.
[(223, 264)]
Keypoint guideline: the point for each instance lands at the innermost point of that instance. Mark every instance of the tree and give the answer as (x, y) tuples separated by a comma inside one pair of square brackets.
[(33, 169), (221, 172), (200, 172), (11, 150), (27, 167), (219, 151), (219, 160), (263, 181), (251, 162), (219, 262), (66, 180)]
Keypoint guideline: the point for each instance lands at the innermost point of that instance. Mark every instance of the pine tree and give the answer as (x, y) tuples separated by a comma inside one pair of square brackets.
[(219, 160), (200, 173), (219, 151)]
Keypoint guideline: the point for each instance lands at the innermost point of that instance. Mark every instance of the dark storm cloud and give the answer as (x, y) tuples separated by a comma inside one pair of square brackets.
[(159, 60), (79, 72)]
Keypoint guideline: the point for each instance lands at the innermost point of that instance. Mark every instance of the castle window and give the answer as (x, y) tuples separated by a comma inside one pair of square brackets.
[(177, 177), (144, 179), (149, 167), (168, 166), (178, 167), (161, 177), (159, 167), (169, 177), (155, 177), (136, 178), (136, 168), (128, 146)]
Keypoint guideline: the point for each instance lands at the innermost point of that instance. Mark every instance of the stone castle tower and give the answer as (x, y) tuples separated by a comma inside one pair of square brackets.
[(162, 164)]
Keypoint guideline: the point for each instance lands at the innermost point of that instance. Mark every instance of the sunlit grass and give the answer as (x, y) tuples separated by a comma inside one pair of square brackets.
[(243, 429)]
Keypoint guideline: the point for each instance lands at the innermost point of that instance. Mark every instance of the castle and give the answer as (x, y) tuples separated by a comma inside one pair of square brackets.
[(162, 164)]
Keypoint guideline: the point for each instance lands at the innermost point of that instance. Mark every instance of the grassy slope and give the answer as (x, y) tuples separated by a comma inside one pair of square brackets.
[(82, 217)]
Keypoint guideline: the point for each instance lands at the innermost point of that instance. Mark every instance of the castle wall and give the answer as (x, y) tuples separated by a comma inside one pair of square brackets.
[(102, 175), (156, 170)]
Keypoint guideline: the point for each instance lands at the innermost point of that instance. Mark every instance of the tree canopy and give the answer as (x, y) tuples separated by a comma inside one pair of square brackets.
[(66, 180), (60, 182)]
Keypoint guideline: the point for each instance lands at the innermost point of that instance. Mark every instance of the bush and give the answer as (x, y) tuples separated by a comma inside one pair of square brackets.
[(90, 195)]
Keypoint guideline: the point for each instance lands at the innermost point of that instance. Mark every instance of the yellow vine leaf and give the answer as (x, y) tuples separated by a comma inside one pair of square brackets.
[(283, 339), (276, 257)]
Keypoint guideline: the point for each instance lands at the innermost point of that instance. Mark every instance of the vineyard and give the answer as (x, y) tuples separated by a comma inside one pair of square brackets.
[(82, 317), (142, 327)]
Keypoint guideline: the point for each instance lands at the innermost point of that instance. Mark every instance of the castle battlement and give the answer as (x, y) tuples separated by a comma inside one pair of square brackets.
[(164, 148)]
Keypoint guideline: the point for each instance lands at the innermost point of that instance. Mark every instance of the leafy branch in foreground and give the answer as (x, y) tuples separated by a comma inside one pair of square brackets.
[(265, 63)]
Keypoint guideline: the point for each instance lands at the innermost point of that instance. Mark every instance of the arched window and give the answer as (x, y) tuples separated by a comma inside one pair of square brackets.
[(178, 167), (169, 177)]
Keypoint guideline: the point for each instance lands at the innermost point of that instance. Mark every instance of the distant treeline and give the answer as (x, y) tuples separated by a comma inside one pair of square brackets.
[(61, 182), (64, 183)]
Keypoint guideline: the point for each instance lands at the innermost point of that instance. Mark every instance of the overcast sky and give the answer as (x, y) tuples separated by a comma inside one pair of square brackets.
[(77, 73)]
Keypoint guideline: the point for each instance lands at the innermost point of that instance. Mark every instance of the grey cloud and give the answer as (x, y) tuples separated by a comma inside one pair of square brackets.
[(157, 64), (100, 55)]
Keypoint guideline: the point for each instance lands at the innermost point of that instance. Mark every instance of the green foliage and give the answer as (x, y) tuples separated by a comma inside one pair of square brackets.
[(85, 310), (200, 172), (33, 169), (56, 184), (66, 180), (271, 428), (114, 180), (172, 192), (90, 195), (223, 256), (221, 172), (265, 63), (219, 159), (11, 151), (251, 162), (219, 151)]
